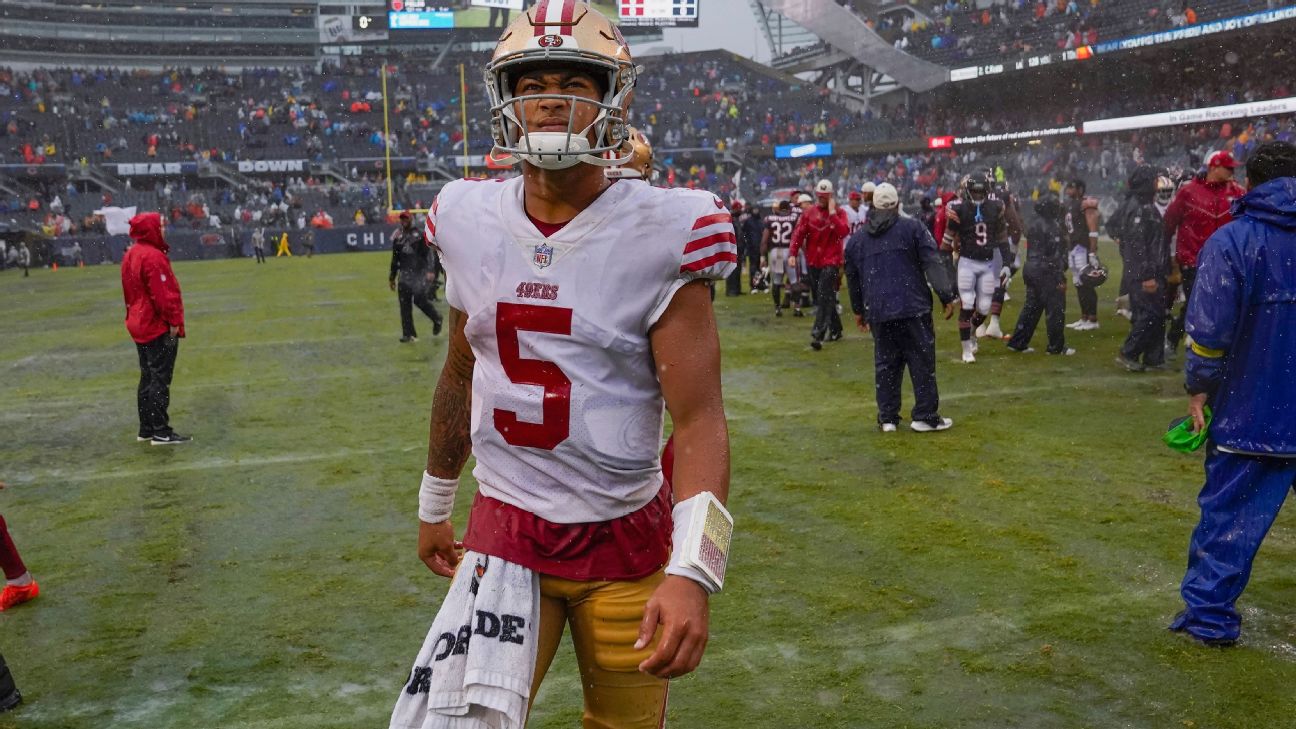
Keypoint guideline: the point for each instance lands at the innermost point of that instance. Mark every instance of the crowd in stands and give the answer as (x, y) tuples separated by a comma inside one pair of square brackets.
[(960, 33), (1104, 161), (695, 109), (106, 115)]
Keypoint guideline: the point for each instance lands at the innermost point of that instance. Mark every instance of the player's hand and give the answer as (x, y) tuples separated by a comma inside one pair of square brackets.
[(861, 323), (391, 284), (1005, 273), (1196, 411), (763, 264), (1150, 286), (438, 548), (680, 606), (174, 331), (949, 310)]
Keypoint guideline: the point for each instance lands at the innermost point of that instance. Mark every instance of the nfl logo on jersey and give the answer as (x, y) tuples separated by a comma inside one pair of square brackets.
[(543, 255)]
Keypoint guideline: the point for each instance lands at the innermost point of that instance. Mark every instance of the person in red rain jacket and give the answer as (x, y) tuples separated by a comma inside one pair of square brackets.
[(1201, 207), (938, 232), (821, 230), (155, 320)]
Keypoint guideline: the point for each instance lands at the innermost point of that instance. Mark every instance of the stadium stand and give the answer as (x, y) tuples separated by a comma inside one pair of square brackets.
[(709, 115), (962, 34)]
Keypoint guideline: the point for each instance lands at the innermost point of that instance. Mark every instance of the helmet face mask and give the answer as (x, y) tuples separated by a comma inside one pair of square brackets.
[(562, 36), (976, 188)]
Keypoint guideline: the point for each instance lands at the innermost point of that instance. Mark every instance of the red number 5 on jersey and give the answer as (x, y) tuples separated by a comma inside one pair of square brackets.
[(555, 424)]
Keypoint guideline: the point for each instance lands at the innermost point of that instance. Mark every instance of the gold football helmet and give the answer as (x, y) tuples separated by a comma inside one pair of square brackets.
[(1165, 189), (562, 33), (640, 165)]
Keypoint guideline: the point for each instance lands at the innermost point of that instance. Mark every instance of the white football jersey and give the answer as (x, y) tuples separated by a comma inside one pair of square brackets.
[(855, 219), (567, 410)]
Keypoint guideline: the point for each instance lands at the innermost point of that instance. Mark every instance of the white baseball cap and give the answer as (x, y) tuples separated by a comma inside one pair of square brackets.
[(869, 189), (885, 196), (804, 198), (824, 187)]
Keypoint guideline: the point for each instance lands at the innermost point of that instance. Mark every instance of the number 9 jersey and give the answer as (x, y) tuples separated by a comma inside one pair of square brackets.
[(567, 410)]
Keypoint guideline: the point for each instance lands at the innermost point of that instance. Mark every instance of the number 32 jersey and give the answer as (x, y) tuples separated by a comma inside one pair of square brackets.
[(567, 410)]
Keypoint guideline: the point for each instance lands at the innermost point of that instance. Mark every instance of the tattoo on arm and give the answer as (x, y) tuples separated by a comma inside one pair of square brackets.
[(449, 438)]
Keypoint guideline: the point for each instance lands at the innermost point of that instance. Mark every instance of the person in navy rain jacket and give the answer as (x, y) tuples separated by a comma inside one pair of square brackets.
[(889, 263), (1242, 326)]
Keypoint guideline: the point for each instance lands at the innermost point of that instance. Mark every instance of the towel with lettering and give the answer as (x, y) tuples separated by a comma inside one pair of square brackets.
[(475, 668)]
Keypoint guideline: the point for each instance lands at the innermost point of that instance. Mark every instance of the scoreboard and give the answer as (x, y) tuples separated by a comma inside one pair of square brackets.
[(416, 15), (658, 13)]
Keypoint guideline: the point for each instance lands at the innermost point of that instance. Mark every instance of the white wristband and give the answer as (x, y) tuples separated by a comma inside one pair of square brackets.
[(436, 498), (700, 541)]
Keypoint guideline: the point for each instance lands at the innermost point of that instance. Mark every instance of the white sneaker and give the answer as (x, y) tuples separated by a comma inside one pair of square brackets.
[(1089, 326), (1077, 325), (968, 355), (888, 427), (976, 345), (981, 330), (1064, 353), (1125, 313), (993, 330), (919, 426)]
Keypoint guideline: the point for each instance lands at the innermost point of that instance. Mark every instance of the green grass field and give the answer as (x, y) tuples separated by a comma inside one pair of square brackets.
[(1017, 571)]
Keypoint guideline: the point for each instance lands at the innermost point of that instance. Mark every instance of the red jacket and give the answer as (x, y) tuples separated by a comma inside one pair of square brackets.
[(1199, 209), (149, 285), (823, 236), (942, 221)]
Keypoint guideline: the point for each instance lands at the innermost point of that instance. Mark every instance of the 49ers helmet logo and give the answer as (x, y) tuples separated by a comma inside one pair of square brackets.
[(550, 41)]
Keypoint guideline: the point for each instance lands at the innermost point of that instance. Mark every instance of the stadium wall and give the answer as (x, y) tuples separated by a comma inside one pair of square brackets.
[(197, 245)]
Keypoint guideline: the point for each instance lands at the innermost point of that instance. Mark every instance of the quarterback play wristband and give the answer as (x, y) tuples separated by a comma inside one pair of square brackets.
[(701, 538), (436, 498)]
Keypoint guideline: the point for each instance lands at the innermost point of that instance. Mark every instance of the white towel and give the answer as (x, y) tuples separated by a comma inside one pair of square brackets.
[(477, 662), (117, 220)]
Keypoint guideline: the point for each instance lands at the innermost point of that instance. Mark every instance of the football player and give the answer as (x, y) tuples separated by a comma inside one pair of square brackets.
[(579, 313), (750, 227), (1165, 192), (800, 291), (774, 253), (976, 228), (1016, 229), (1080, 222), (856, 213)]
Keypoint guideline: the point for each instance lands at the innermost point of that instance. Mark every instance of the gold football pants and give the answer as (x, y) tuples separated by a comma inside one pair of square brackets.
[(604, 618)]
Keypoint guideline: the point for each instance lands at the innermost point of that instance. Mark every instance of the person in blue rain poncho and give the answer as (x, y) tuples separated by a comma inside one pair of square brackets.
[(1242, 323)]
